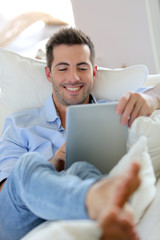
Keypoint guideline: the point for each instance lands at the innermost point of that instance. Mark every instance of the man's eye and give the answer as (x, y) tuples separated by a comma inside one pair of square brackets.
[(83, 69), (62, 69)]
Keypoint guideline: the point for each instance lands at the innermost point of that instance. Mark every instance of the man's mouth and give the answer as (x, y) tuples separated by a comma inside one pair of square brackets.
[(73, 88)]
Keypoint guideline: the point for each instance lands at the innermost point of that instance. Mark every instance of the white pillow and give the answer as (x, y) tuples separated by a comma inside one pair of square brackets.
[(147, 190), (113, 83), (149, 127), (24, 85)]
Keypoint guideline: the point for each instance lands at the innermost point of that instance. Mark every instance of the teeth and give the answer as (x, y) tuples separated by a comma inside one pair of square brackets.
[(73, 89)]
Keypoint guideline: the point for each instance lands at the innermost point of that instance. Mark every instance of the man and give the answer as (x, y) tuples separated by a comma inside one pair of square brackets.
[(32, 148)]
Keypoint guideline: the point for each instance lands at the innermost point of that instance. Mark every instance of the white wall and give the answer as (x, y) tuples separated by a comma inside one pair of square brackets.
[(119, 30)]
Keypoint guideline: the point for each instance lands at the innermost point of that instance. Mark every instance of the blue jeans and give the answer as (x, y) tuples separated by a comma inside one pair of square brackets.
[(35, 192)]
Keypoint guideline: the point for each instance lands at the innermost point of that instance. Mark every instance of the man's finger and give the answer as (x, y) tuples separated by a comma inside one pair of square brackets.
[(135, 113), (122, 103)]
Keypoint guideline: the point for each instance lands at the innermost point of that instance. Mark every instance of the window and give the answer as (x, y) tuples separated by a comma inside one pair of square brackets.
[(30, 36), (61, 9), (153, 11)]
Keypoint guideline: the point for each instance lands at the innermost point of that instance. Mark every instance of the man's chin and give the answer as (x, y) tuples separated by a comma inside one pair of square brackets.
[(74, 102)]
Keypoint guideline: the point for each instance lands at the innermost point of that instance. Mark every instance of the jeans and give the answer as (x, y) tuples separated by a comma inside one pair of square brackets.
[(35, 192)]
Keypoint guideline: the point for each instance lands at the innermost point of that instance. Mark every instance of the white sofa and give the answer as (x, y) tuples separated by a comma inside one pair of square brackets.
[(24, 85)]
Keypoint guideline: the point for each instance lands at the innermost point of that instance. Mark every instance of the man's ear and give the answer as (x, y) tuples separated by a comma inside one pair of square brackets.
[(48, 74), (94, 71)]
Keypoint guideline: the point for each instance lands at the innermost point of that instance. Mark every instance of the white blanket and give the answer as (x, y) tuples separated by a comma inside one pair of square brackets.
[(89, 230)]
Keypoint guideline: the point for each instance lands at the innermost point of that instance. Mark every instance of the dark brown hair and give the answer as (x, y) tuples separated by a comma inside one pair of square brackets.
[(68, 36)]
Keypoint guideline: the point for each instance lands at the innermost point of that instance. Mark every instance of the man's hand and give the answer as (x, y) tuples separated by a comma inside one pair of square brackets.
[(132, 105), (58, 161)]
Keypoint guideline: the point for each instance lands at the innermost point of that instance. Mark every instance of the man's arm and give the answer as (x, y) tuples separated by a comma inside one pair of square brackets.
[(134, 104), (11, 148), (58, 161)]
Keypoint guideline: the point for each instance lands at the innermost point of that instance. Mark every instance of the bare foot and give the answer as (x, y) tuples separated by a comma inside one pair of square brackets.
[(118, 224), (105, 203)]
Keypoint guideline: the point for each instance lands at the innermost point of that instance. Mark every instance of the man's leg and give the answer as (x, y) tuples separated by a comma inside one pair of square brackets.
[(84, 170), (35, 192)]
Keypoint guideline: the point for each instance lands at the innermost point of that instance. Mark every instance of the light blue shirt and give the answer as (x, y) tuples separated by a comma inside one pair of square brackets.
[(33, 130)]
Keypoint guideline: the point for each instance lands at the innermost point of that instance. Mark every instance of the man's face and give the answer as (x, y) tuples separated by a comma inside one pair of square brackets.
[(72, 74)]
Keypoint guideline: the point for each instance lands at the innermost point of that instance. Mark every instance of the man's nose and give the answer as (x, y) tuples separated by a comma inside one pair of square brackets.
[(74, 76)]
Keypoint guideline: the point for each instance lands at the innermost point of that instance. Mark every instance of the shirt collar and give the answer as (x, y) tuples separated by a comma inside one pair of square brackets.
[(50, 109)]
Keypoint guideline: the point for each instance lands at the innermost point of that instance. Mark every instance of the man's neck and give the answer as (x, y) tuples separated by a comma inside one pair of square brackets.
[(62, 116)]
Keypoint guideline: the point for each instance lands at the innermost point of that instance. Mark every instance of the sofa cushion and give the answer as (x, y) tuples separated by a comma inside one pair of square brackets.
[(150, 128), (147, 190), (24, 85)]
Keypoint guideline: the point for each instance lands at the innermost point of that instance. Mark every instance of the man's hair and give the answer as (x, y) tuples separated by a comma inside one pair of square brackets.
[(69, 36)]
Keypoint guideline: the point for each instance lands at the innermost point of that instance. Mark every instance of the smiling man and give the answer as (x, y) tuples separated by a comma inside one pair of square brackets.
[(32, 152), (72, 74)]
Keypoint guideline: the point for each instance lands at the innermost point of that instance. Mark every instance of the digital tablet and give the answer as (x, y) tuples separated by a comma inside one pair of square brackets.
[(94, 134)]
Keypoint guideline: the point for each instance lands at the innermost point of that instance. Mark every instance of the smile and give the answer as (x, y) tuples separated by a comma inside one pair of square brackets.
[(73, 88)]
